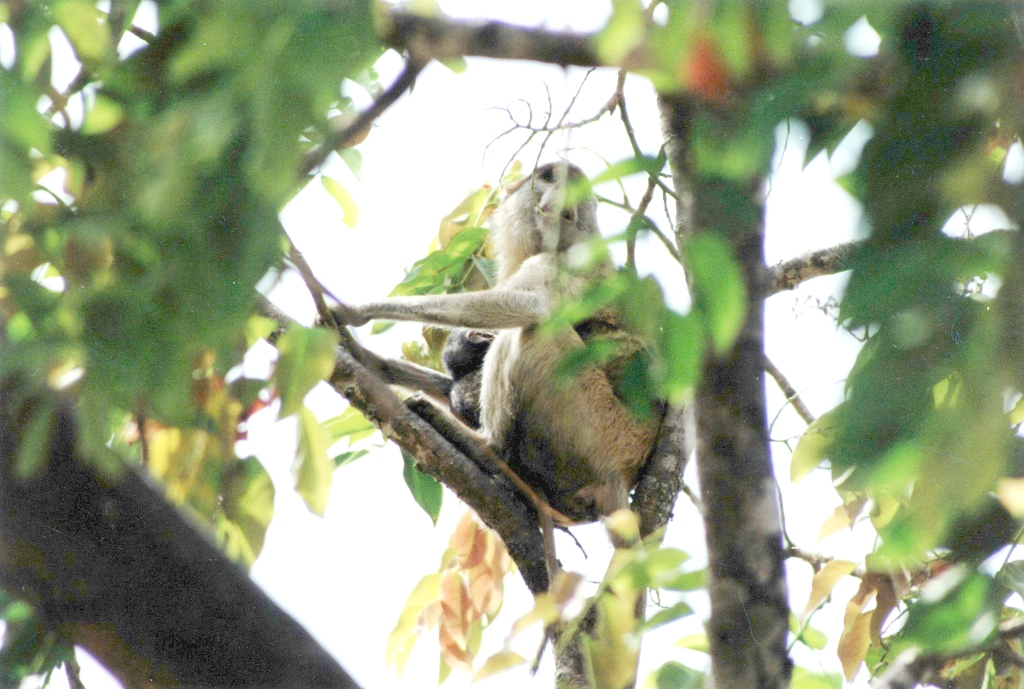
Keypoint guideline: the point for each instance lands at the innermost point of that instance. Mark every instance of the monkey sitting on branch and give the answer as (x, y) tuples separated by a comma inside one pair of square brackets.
[(569, 438)]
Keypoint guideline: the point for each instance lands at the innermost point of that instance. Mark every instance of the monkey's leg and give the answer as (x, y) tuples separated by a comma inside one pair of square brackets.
[(473, 446)]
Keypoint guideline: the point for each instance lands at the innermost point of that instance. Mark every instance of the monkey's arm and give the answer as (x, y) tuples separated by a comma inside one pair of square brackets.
[(522, 300), (494, 309)]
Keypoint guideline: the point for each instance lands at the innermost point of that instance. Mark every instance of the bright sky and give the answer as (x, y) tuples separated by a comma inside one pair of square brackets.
[(346, 576)]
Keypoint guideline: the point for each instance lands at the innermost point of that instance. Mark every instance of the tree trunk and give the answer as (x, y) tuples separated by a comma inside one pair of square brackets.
[(749, 612)]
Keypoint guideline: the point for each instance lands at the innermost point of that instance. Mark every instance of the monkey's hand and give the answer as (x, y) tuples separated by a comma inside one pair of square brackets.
[(349, 315)]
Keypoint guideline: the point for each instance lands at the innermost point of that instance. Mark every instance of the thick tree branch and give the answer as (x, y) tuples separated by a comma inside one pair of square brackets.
[(441, 38), (112, 566), (493, 496)]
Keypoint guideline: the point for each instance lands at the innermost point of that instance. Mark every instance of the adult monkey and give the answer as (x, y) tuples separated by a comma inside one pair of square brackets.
[(570, 439)]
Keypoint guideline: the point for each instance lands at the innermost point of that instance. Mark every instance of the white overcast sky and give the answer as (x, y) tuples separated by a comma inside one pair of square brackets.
[(346, 576)]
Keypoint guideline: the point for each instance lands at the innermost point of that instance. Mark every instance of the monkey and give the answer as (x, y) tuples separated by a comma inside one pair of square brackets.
[(572, 440), (463, 359)]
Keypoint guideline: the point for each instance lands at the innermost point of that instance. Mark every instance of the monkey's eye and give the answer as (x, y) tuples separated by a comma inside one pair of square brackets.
[(569, 214), (547, 175)]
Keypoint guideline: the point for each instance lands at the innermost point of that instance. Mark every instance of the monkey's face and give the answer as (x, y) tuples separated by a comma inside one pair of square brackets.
[(557, 199)]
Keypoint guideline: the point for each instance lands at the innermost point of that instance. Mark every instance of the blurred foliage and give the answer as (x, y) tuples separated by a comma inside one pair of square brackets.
[(138, 210)]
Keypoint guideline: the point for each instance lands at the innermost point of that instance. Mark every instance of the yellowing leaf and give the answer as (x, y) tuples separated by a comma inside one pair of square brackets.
[(837, 521), (1016, 415), (403, 637), (612, 649), (825, 580), (695, 642), (314, 471), (349, 211), (810, 450), (499, 662), (885, 508), (854, 644), (1010, 492), (306, 358)]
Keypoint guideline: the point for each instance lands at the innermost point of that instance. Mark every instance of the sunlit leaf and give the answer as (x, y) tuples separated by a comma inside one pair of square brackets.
[(695, 642), (812, 448), (249, 502), (624, 31), (349, 211), (313, 471), (306, 358), (349, 424), (85, 27), (825, 580), (403, 637), (103, 116), (805, 679), (499, 662)]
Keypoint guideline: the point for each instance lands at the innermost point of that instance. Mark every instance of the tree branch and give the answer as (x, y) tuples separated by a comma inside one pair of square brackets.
[(112, 566), (792, 396), (493, 496), (790, 273), (342, 138), (441, 38)]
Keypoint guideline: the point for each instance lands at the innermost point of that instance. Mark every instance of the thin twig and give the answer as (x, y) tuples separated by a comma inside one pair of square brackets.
[(73, 671), (792, 396), (143, 34), (650, 225), (340, 139), (636, 220)]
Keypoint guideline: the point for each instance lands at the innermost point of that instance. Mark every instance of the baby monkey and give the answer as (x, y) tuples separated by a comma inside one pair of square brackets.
[(571, 439), (463, 359)]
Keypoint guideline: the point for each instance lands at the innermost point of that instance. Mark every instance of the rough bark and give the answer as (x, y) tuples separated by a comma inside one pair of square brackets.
[(441, 38), (110, 565), (749, 612)]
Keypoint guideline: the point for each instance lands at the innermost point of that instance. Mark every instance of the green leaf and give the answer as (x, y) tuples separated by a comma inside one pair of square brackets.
[(673, 675), (34, 448), (349, 211), (681, 347), (350, 456), (663, 617), (349, 424), (425, 489), (86, 28), (306, 358), (314, 471), (957, 610), (103, 116), (688, 581), (650, 165), (455, 64), (249, 503), (720, 292)]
